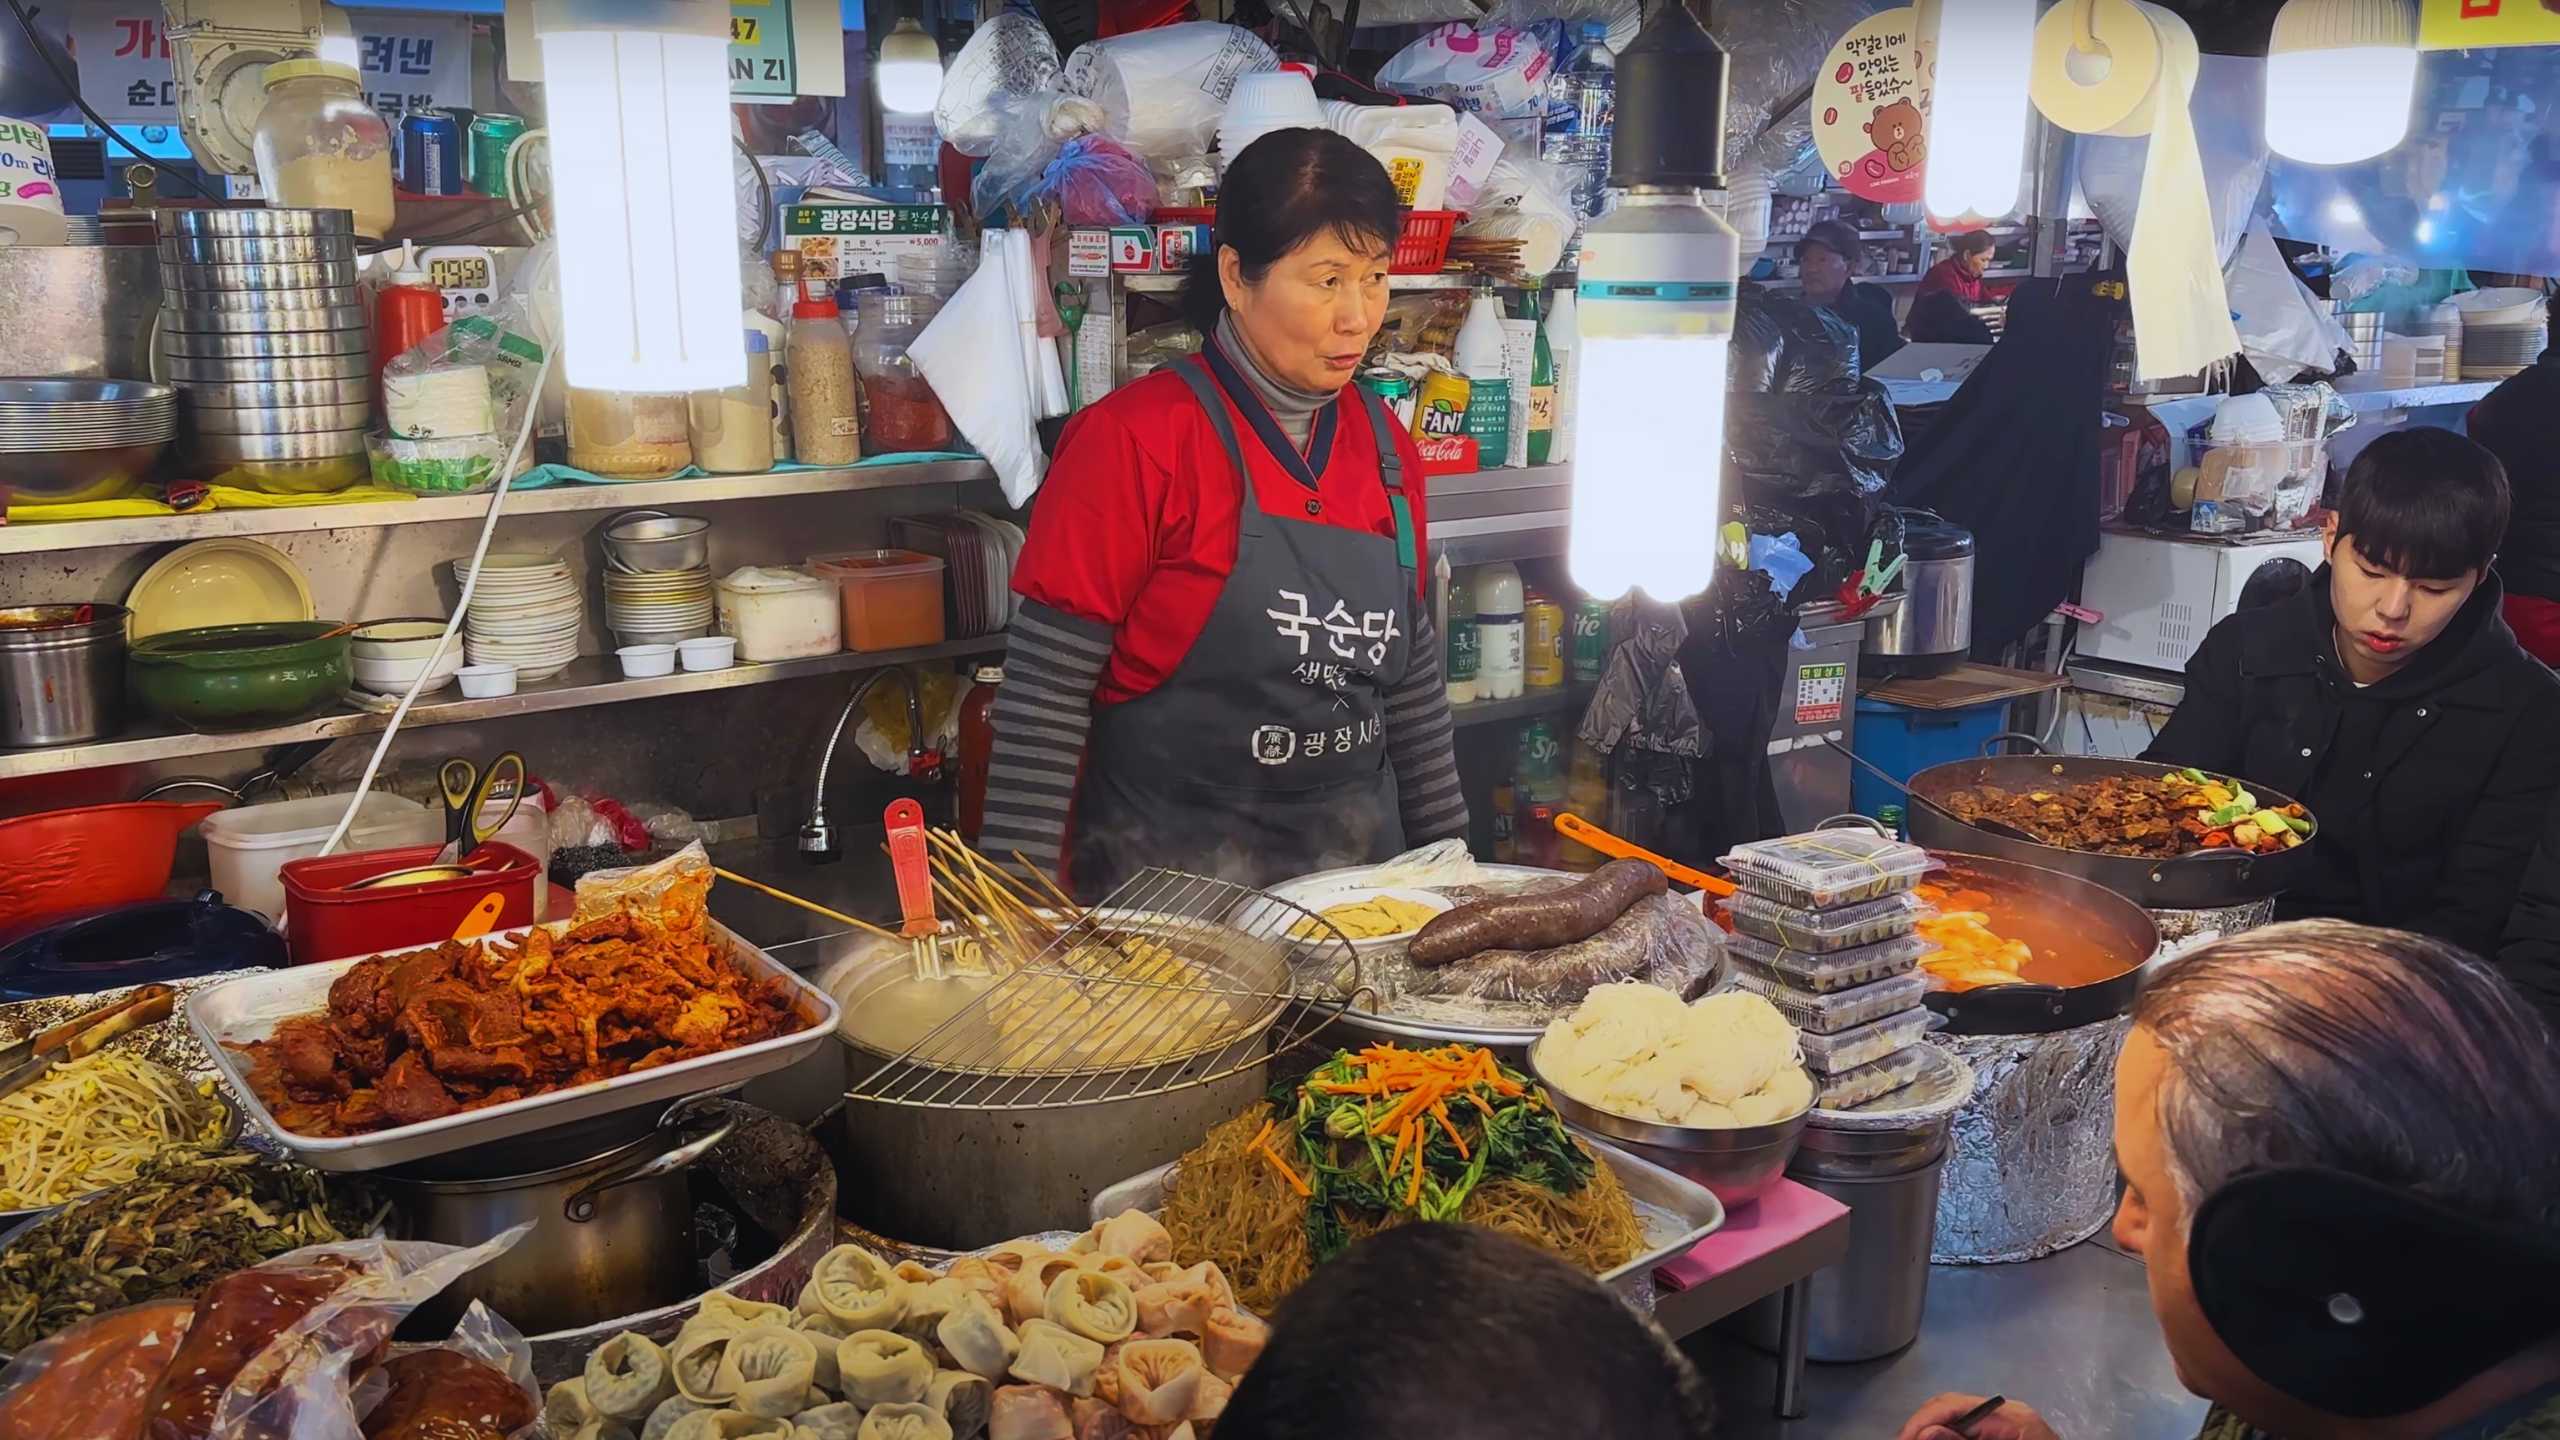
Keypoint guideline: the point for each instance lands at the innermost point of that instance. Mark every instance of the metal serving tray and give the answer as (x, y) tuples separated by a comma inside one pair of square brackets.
[(1676, 1213), (236, 1012)]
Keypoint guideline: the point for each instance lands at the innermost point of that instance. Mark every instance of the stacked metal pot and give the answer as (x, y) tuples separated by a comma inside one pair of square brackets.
[(262, 329)]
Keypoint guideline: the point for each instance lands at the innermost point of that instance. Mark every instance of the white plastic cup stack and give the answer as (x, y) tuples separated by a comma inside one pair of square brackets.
[(1262, 102)]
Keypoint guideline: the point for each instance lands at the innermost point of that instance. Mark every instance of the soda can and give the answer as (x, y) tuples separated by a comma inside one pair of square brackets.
[(492, 136), (1544, 666), (1590, 643), (430, 153)]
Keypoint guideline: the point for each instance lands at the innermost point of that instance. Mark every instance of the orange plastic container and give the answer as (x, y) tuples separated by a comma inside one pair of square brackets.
[(66, 860), (892, 598)]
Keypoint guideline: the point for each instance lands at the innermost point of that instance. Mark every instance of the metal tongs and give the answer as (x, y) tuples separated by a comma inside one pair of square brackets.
[(81, 1036)]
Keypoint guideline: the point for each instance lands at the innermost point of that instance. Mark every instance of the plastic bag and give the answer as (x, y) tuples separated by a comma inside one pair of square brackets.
[(2228, 108), (1011, 54), (1642, 702), (1496, 72), (2283, 330), (501, 343), (1664, 940), (476, 1382), (1530, 201), (1031, 130), (1623, 17), (95, 1378), (681, 877), (1172, 82), (1098, 182), (1442, 862), (882, 735)]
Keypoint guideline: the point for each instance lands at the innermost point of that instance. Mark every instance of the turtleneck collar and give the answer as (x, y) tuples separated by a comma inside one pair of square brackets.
[(1294, 409)]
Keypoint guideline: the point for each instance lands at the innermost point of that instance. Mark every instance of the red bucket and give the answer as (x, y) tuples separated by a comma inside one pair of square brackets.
[(325, 919)]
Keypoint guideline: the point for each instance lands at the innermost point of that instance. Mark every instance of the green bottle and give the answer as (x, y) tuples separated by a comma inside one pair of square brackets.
[(1542, 385)]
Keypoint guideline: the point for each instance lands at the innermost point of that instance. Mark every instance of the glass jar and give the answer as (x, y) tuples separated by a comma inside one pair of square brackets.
[(320, 147), (627, 436), (900, 412)]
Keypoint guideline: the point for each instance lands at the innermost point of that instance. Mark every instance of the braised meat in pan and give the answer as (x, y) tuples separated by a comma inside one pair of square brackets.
[(2149, 816), (418, 1036)]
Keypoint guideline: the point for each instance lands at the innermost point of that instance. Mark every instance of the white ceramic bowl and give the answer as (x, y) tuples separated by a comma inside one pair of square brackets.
[(711, 652), (642, 662), (396, 639), (393, 677), (487, 682)]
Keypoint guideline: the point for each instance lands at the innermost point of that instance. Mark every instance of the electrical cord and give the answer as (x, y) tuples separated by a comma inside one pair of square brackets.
[(71, 86)]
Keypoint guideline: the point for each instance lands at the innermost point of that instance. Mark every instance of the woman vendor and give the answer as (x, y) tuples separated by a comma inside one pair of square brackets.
[(1222, 663)]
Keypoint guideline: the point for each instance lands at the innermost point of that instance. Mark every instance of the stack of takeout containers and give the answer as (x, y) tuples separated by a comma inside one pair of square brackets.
[(1823, 928), (262, 330)]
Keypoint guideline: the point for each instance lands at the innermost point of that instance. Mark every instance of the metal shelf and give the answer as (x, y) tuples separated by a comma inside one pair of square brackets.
[(1526, 705), (1445, 280), (589, 680), (47, 537)]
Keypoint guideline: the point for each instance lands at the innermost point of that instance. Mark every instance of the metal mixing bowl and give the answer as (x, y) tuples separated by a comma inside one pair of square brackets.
[(651, 542), (63, 441), (1736, 1162)]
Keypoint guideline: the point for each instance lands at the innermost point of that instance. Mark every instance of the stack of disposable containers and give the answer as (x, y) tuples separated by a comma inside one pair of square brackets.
[(1823, 928)]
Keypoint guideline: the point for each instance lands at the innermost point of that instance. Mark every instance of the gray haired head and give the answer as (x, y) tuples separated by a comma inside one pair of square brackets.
[(2380, 1053)]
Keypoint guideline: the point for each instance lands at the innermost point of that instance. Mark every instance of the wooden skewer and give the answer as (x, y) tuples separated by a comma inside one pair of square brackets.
[(1040, 876), (980, 863), (812, 906)]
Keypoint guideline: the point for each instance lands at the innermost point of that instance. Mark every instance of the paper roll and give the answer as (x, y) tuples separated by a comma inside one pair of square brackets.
[(2137, 82)]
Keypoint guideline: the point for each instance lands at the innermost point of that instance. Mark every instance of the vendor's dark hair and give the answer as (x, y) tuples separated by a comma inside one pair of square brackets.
[(1971, 242), (2426, 503), (1461, 1333), (1285, 189)]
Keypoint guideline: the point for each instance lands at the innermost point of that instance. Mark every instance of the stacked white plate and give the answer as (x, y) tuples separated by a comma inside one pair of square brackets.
[(524, 612), (2494, 352), (661, 607)]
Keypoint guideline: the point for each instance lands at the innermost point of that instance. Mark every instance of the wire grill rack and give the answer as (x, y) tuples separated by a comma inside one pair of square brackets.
[(1174, 980)]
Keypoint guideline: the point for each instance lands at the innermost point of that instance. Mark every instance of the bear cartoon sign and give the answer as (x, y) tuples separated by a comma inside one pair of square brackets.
[(1871, 109)]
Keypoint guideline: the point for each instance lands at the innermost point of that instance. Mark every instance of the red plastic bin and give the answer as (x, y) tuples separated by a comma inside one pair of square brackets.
[(325, 920), (1420, 250)]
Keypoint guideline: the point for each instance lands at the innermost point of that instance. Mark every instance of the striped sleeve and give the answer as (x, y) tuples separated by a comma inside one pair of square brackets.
[(1042, 715), (1422, 746)]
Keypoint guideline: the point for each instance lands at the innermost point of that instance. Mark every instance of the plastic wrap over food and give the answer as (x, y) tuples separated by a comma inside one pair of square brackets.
[(1663, 940), (476, 1382), (2179, 925), (1442, 862), (1172, 82), (2031, 1163), (684, 875), (1945, 1086), (1009, 55)]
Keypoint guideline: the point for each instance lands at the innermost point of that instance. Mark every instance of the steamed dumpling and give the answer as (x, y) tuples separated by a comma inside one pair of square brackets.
[(1119, 1267), (981, 1275), (1057, 1357), (857, 1287), (905, 1422), (927, 1304), (1095, 1419), (1028, 1412), (1210, 1401), (627, 1376), (1136, 1235), (883, 1367), (568, 1415), (1234, 1341), (964, 1400), (1182, 1305), (978, 1340), (1159, 1380), (825, 1332), (767, 1370), (837, 1420), (670, 1410), (914, 1272), (729, 1425), (1026, 1295), (1093, 1305), (722, 1307), (695, 1361)]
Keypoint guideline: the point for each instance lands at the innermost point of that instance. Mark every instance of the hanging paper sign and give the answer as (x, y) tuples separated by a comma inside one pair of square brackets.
[(408, 61), (1871, 111), (760, 61), (2483, 24), (125, 74)]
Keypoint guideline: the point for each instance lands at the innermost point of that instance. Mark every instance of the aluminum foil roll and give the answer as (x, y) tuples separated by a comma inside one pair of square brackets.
[(2031, 1166), (2178, 925)]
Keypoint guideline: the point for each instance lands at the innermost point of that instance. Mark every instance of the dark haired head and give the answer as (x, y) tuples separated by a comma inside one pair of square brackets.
[(1459, 1333), (1971, 242), (2425, 503), (1940, 318), (1836, 236), (1285, 189)]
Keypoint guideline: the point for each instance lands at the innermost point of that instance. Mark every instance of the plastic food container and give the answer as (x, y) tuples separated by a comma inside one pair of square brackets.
[(1831, 1054), (1825, 869), (1838, 1010), (1819, 932), (643, 662), (708, 652), (246, 847), (329, 921), (779, 612), (1839, 970), (1862, 1083), (487, 682), (892, 598)]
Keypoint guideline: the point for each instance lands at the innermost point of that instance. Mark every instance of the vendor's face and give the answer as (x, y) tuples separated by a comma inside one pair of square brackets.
[(2385, 617), (1311, 316), (1973, 262), (1826, 273)]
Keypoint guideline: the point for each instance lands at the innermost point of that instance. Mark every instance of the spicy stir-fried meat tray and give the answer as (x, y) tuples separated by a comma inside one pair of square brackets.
[(2175, 813), (419, 1036)]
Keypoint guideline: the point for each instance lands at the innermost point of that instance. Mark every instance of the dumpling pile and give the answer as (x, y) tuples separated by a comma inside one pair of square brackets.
[(1635, 1050), (1107, 1340)]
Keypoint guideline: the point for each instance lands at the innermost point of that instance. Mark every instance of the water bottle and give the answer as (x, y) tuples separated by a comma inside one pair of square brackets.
[(1582, 103)]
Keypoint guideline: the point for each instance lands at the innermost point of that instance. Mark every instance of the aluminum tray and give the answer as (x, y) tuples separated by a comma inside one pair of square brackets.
[(236, 1012), (1676, 1213)]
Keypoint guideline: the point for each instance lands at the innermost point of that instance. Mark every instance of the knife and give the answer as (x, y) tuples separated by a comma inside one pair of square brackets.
[(82, 1035)]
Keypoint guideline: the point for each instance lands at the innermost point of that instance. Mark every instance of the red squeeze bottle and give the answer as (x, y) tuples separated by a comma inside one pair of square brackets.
[(405, 313), (977, 748)]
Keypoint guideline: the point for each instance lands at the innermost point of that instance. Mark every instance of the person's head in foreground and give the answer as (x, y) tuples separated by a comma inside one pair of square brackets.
[(2420, 516), (2341, 1151), (1459, 1333), (1306, 224)]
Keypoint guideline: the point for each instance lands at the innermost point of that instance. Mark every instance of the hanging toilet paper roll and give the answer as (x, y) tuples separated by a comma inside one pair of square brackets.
[(30, 195), (2134, 81)]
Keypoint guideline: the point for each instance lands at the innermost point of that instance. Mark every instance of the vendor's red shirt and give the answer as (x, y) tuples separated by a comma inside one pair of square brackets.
[(1945, 276), (1135, 526)]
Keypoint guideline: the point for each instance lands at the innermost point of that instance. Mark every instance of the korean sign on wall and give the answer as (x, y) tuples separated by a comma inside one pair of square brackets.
[(2482, 24), (407, 62)]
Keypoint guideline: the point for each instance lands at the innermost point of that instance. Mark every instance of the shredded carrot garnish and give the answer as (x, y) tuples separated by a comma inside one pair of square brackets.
[(1286, 1173)]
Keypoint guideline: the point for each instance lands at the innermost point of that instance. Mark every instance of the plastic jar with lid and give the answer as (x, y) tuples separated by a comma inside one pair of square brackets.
[(732, 429), (900, 412), (826, 424), (320, 147), (626, 436), (780, 612)]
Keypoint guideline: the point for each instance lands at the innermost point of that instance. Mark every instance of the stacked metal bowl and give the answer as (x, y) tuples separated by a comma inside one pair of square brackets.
[(262, 330), (67, 441)]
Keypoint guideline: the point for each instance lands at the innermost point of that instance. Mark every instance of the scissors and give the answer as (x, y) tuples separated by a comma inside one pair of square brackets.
[(467, 789)]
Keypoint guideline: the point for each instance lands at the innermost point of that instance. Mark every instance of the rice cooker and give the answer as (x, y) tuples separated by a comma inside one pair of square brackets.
[(1932, 631)]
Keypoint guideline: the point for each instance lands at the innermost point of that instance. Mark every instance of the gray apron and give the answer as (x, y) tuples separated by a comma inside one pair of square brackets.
[(1264, 754)]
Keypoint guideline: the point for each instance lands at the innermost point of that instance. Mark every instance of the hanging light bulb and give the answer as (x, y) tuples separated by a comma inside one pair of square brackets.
[(1656, 304), (638, 95), (2341, 76), (910, 69), (1981, 53)]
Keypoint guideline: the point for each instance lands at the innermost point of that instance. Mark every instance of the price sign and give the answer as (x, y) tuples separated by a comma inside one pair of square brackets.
[(1821, 691), (760, 61)]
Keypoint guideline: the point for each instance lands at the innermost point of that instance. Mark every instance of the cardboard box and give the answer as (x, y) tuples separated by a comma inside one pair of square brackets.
[(839, 238)]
